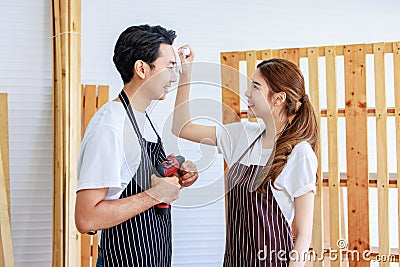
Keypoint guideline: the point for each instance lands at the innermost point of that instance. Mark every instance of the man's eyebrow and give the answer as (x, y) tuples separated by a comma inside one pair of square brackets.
[(256, 83), (172, 62)]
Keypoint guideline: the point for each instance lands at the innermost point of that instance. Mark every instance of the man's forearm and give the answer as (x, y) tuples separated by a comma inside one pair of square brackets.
[(109, 213)]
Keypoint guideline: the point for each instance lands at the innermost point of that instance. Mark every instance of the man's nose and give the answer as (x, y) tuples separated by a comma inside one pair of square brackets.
[(173, 77)]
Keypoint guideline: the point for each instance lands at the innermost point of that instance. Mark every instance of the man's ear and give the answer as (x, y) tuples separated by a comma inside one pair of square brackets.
[(139, 69)]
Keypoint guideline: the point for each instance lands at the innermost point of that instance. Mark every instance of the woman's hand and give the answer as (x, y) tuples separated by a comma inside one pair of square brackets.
[(188, 174), (186, 60)]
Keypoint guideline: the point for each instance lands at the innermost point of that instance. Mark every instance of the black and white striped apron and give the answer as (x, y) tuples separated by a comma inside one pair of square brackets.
[(144, 240), (258, 233)]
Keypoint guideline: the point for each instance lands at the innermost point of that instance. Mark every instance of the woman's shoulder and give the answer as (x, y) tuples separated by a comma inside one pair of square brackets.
[(303, 150)]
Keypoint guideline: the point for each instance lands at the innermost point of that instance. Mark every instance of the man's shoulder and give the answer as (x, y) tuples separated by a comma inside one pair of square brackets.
[(110, 114)]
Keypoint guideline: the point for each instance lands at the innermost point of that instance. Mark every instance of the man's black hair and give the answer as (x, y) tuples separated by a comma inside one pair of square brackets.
[(139, 43)]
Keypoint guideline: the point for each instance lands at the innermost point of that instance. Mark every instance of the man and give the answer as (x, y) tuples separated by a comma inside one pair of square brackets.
[(117, 188)]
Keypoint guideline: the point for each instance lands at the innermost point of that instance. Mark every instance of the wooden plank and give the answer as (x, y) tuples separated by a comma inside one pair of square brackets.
[(230, 87), (230, 100), (86, 251), (318, 226), (95, 250), (265, 54), (292, 55), (72, 236), (390, 112), (4, 143), (58, 170), (102, 95), (6, 248), (357, 149), (333, 157), (89, 244), (396, 66), (303, 51), (89, 104), (381, 148)]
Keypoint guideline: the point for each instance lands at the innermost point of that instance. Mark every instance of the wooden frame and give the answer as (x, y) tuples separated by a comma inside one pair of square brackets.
[(358, 180)]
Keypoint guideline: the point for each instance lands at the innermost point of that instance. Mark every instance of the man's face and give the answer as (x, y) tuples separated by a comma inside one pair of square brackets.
[(162, 75)]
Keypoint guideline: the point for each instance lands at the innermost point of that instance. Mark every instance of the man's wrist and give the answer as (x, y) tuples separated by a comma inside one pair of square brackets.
[(154, 195)]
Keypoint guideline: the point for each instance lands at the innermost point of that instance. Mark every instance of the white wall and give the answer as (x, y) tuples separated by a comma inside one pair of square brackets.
[(210, 27), (25, 74)]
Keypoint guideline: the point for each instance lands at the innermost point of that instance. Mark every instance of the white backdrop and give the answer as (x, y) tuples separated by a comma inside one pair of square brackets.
[(210, 27)]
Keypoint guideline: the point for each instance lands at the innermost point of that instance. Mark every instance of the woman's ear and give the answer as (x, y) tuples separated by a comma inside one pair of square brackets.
[(279, 98), (139, 69)]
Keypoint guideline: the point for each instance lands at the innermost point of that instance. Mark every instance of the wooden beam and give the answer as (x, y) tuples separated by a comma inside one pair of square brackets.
[(72, 236), (318, 225), (230, 100), (292, 55), (89, 104), (251, 64), (6, 248), (333, 157), (102, 95), (4, 143), (381, 148), (303, 51), (58, 137), (92, 100), (67, 130), (396, 65), (356, 149), (230, 87)]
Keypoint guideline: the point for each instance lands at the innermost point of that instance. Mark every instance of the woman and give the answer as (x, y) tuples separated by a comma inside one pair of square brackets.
[(271, 179)]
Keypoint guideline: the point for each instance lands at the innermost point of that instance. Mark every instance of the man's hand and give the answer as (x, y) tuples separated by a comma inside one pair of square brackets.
[(164, 189), (187, 174)]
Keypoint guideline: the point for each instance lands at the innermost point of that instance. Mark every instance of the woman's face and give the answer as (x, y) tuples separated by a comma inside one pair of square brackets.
[(258, 94)]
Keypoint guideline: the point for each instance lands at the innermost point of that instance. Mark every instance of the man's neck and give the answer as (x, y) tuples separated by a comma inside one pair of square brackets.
[(138, 101)]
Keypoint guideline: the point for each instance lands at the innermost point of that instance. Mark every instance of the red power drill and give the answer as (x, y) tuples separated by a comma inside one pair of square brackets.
[(168, 168)]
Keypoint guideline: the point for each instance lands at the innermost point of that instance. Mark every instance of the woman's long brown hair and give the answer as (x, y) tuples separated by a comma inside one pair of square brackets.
[(283, 76)]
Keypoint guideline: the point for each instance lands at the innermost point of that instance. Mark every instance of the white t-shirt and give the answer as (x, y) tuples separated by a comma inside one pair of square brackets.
[(297, 178), (110, 152)]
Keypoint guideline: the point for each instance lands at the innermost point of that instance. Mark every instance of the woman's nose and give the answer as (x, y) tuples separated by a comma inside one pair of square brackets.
[(247, 93)]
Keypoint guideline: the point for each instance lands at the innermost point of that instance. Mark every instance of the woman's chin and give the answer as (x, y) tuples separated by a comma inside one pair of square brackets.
[(251, 112)]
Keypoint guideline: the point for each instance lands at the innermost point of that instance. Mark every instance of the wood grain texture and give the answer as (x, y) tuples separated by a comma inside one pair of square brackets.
[(356, 149)]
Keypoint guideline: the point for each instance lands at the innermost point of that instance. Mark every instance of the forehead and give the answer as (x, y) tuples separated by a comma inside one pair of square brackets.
[(166, 54), (258, 77)]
